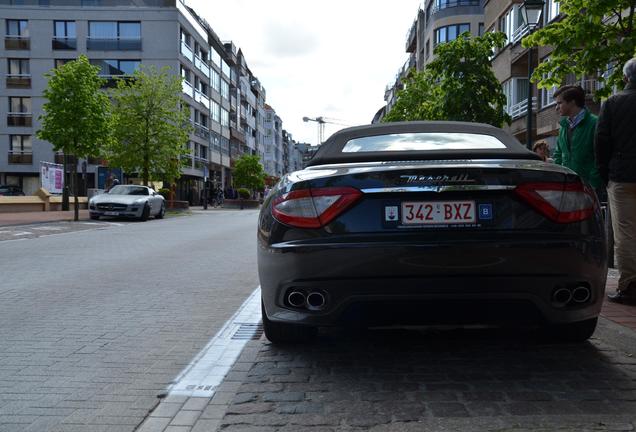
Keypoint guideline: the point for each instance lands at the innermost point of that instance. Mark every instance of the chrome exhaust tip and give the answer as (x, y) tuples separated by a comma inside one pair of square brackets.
[(296, 299), (561, 297), (316, 300), (581, 294)]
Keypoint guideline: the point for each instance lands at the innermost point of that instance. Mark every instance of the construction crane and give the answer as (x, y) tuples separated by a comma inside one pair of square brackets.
[(321, 125)]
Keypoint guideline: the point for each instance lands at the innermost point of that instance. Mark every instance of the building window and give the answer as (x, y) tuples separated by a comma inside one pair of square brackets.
[(18, 73), (19, 111), (215, 110), (114, 35), (225, 89), (480, 32), (512, 25), (20, 149), (61, 62), (225, 117), (516, 91), (450, 33), (428, 48), (443, 4), (65, 37), (116, 67), (215, 80), (17, 35), (552, 10)]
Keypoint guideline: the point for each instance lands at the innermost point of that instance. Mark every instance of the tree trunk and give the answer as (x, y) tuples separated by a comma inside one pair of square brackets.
[(65, 186), (75, 182)]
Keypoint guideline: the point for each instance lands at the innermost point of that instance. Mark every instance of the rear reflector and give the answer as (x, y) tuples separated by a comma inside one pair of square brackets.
[(313, 208), (560, 202)]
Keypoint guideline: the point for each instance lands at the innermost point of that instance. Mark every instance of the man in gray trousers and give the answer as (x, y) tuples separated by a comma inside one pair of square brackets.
[(615, 148)]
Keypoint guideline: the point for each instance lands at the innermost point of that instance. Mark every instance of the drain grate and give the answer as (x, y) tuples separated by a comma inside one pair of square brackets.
[(248, 331)]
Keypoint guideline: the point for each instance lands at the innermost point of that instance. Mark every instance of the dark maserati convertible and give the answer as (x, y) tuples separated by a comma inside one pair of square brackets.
[(430, 223)]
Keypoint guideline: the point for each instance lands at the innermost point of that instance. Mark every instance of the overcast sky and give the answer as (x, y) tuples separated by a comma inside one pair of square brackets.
[(329, 58)]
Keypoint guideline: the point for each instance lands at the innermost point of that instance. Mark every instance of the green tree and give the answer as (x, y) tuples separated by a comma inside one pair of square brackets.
[(459, 84), (248, 172), (150, 125), (76, 118), (592, 38)]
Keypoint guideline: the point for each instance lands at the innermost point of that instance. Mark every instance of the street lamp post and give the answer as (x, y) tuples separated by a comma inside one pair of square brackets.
[(531, 12)]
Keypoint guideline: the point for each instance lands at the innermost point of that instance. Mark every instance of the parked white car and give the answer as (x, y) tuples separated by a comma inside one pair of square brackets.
[(130, 201)]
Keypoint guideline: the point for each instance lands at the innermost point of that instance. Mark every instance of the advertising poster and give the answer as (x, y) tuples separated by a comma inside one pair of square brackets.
[(51, 177)]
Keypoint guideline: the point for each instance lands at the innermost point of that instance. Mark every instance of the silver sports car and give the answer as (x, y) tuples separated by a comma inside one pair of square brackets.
[(131, 201)]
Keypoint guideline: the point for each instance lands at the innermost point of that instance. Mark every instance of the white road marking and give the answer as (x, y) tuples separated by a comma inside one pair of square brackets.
[(204, 374), (22, 233), (47, 228)]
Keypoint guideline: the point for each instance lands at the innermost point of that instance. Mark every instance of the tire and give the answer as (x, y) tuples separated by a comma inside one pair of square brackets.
[(573, 332), (145, 214), (283, 333), (94, 217), (162, 212)]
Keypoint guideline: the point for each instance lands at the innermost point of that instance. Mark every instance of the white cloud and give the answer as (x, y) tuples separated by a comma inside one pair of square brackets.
[(331, 58)]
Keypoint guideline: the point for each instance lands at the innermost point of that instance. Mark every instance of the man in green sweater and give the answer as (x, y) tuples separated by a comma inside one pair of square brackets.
[(575, 144)]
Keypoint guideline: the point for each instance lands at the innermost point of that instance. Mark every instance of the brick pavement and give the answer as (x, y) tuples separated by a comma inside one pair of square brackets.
[(414, 380)]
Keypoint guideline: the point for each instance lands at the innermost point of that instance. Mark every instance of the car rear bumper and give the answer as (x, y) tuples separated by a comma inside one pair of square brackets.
[(471, 282)]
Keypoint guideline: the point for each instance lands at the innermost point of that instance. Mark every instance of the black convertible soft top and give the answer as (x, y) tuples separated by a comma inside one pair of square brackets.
[(331, 152)]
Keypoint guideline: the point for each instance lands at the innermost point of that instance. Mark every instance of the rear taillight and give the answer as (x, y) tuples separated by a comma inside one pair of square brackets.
[(313, 208), (560, 202)]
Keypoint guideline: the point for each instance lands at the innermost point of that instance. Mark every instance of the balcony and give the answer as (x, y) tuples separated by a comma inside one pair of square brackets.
[(201, 131), (521, 108), (237, 134), (202, 98), (17, 43), (186, 51), (200, 163), (59, 159), (19, 119), (60, 43), (19, 81), (519, 33), (202, 66), (113, 44), (411, 38), (447, 4), (187, 88), (20, 158)]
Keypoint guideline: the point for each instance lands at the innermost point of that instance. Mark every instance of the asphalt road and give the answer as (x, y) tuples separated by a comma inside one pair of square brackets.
[(96, 322)]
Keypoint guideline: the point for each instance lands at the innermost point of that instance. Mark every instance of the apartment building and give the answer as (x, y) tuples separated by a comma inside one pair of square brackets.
[(510, 65), (273, 141), (119, 36), (437, 21)]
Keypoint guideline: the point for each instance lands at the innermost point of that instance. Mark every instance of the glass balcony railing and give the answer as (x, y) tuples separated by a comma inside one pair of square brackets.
[(20, 158), (59, 43), (201, 98), (188, 89), (17, 43), (19, 119), (186, 51), (114, 44), (445, 4), (21, 81), (202, 66)]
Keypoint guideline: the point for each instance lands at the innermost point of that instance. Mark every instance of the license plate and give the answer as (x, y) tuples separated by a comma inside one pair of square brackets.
[(111, 213), (438, 212)]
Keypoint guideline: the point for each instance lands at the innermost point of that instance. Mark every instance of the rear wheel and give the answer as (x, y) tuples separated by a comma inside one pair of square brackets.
[(284, 333), (573, 332), (145, 214)]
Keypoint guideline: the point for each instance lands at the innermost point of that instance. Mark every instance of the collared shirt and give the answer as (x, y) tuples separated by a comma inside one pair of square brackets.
[(577, 118)]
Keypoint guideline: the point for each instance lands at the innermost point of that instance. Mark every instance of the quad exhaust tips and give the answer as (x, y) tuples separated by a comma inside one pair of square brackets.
[(567, 296), (315, 300), (296, 299)]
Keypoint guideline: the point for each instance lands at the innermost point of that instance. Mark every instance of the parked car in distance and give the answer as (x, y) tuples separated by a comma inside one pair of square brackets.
[(11, 190), (129, 201), (430, 223)]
